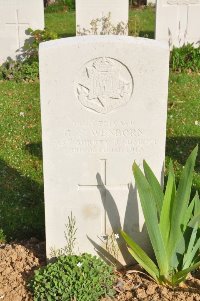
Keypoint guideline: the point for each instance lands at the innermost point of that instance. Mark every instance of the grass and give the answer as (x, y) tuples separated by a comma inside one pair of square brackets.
[(21, 183), (141, 22), (183, 126), (63, 22)]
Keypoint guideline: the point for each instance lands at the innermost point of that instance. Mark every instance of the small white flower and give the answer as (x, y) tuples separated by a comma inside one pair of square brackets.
[(197, 122), (21, 114), (79, 264), (116, 236)]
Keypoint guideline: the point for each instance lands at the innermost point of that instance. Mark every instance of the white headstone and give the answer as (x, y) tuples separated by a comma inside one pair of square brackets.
[(151, 2), (178, 22), (101, 110), (102, 17), (16, 16)]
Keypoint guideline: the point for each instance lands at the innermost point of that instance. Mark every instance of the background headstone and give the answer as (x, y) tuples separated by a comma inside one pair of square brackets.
[(151, 2), (104, 15), (16, 16), (178, 22), (101, 110)]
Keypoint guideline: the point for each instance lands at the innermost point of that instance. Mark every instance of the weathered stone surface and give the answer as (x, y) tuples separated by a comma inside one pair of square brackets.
[(16, 16), (101, 111), (178, 22), (102, 17)]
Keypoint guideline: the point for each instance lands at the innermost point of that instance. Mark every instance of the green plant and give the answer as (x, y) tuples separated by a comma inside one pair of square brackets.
[(185, 58), (2, 237), (20, 71), (80, 278), (27, 67), (70, 236), (31, 46), (172, 222)]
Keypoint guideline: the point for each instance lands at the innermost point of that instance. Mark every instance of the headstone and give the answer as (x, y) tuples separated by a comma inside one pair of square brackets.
[(102, 17), (101, 111), (178, 22), (16, 16), (151, 2)]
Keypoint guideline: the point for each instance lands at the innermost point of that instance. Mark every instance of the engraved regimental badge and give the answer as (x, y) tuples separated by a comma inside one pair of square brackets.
[(104, 84)]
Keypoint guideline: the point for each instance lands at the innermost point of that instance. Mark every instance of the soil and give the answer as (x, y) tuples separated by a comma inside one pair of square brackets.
[(17, 263), (134, 284), (19, 260)]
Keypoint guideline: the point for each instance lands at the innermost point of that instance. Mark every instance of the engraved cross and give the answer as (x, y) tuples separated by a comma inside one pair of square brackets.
[(104, 188), (18, 24)]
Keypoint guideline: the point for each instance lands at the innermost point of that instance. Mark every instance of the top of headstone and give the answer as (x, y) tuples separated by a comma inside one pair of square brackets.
[(107, 38)]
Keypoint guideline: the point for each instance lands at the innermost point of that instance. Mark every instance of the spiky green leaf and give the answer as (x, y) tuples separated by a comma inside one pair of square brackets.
[(188, 257), (151, 218), (165, 218), (155, 185), (197, 204), (180, 276), (188, 213), (193, 256), (141, 257), (181, 201)]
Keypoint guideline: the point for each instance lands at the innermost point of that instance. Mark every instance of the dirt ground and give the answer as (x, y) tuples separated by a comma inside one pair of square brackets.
[(18, 261)]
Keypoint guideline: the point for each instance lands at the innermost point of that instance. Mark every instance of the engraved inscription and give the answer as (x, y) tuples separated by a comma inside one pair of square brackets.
[(117, 136), (183, 2), (104, 84)]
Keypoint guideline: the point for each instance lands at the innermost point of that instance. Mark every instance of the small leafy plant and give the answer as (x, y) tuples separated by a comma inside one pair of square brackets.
[(80, 278), (38, 36), (185, 58), (172, 222), (20, 71)]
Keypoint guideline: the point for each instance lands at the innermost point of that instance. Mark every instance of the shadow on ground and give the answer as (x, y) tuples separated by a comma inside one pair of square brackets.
[(35, 149), (21, 205), (179, 148)]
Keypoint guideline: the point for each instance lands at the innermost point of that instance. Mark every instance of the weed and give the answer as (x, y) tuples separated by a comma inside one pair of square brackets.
[(70, 236), (185, 58)]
